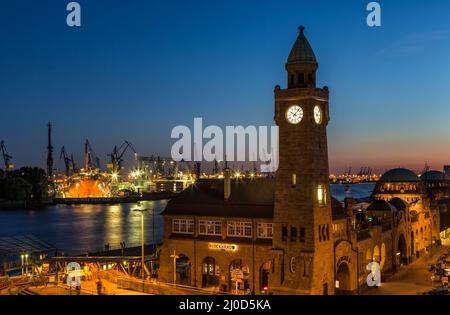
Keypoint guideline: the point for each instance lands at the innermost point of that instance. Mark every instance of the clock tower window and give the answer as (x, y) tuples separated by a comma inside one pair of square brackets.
[(301, 80), (293, 234), (284, 233), (302, 235), (321, 196), (294, 180)]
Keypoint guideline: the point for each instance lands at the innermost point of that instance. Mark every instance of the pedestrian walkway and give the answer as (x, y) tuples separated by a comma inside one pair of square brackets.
[(412, 279)]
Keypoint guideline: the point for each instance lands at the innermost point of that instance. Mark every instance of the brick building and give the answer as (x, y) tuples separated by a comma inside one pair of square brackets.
[(287, 234)]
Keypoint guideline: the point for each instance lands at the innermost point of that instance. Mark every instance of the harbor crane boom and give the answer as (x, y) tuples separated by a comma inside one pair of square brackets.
[(90, 158), (6, 157), (117, 155), (68, 162)]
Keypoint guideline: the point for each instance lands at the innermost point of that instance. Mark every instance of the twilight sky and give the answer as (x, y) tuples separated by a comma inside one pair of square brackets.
[(135, 69)]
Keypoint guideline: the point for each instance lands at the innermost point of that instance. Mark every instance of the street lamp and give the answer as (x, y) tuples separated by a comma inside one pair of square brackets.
[(142, 211), (26, 264), (22, 257)]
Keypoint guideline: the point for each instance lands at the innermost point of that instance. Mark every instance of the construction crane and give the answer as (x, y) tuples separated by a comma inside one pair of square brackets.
[(6, 157), (117, 156), (68, 162)]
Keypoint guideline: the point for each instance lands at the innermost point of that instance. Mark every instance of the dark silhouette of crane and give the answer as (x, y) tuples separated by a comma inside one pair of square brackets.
[(117, 155), (68, 161), (50, 154), (90, 158), (6, 157)]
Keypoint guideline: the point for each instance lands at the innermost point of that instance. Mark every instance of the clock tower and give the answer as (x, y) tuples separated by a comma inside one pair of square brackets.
[(302, 236)]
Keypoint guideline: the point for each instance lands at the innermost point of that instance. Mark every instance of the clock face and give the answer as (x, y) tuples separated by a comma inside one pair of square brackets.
[(317, 115), (294, 114)]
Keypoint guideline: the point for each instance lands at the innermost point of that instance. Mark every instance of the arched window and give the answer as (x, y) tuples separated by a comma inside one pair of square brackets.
[(301, 79)]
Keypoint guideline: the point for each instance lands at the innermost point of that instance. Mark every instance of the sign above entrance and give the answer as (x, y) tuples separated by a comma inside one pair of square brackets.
[(222, 246)]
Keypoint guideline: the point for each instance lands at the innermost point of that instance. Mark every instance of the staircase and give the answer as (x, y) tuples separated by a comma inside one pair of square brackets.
[(26, 291)]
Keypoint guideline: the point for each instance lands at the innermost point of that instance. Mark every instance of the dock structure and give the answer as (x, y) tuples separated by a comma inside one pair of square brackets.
[(20, 253), (127, 261)]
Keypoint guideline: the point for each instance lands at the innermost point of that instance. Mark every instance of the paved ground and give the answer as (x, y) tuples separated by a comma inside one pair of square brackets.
[(412, 279)]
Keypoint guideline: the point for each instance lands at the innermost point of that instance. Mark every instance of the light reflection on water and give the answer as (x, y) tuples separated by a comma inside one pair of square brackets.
[(79, 228)]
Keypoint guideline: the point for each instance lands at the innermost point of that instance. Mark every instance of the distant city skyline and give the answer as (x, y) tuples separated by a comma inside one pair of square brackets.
[(135, 70)]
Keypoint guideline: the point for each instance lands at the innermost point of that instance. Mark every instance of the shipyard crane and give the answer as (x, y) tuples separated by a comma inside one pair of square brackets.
[(68, 162), (74, 166), (117, 155), (90, 158), (6, 157)]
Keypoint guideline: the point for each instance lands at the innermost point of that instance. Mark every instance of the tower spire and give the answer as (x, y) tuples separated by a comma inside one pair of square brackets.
[(302, 63)]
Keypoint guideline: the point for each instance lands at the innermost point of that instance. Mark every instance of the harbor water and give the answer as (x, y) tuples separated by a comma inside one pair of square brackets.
[(77, 229)]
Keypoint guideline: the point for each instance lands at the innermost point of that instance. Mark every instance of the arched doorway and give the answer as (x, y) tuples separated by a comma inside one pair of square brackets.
[(239, 277), (210, 272), (401, 255), (264, 272), (343, 280), (183, 270)]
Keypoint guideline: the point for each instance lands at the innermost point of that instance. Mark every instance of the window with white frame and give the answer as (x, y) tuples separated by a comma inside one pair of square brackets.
[(239, 229), (183, 226), (265, 230), (209, 227)]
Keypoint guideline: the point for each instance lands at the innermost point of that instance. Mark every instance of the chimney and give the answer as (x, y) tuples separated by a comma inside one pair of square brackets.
[(227, 184)]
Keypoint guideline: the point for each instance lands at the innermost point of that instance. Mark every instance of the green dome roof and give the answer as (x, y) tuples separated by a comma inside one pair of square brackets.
[(302, 51), (434, 175), (399, 175)]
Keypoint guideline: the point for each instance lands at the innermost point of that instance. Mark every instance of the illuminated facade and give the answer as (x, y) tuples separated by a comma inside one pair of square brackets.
[(287, 234)]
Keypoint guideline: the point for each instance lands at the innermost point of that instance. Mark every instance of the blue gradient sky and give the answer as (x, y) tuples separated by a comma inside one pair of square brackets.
[(135, 69)]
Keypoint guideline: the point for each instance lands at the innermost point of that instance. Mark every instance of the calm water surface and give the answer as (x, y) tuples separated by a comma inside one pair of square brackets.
[(81, 228)]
